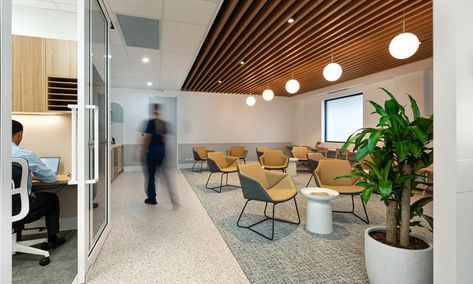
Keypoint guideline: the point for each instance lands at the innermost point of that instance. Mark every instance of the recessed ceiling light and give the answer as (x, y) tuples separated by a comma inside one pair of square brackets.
[(149, 84), (145, 59), (219, 81), (242, 62), (290, 21)]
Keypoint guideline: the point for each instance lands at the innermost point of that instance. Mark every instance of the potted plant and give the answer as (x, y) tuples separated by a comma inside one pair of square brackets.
[(390, 156)]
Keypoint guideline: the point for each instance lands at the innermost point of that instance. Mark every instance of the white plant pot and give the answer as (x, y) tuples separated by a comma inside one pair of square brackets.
[(387, 264)]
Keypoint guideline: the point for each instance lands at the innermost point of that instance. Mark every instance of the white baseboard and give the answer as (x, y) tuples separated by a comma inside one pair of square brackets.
[(66, 224)]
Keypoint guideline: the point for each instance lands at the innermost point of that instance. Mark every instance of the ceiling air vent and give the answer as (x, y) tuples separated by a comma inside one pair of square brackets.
[(139, 32)]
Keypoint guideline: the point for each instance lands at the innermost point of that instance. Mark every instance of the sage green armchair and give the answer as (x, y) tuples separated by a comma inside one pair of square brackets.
[(269, 187)]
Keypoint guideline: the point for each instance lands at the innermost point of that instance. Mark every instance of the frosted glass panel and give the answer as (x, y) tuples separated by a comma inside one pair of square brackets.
[(343, 116)]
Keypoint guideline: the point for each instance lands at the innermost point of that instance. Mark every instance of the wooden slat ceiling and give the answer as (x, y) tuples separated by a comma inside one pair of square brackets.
[(257, 32)]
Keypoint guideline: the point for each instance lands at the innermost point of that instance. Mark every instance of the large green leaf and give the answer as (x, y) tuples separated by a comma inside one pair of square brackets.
[(379, 109), (374, 138), (419, 133), (362, 152), (392, 107), (366, 194), (402, 149), (414, 107), (385, 188)]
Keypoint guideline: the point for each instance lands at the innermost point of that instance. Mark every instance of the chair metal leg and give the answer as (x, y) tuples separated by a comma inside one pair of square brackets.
[(307, 185), (366, 220), (221, 183), (272, 218), (283, 220), (194, 166)]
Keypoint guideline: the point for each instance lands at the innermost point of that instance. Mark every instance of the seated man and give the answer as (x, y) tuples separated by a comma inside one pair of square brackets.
[(41, 203)]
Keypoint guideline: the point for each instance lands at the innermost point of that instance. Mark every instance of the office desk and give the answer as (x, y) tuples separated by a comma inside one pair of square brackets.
[(61, 181)]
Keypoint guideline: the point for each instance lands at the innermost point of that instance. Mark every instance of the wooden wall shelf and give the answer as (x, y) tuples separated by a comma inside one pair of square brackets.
[(61, 92)]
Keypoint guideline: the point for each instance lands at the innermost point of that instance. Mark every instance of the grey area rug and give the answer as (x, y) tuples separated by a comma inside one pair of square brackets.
[(295, 255), (62, 269)]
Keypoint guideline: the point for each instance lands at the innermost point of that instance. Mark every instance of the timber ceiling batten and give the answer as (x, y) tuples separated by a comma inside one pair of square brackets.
[(257, 32)]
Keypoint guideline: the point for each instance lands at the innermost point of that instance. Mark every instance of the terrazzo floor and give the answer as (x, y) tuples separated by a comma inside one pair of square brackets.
[(156, 244)]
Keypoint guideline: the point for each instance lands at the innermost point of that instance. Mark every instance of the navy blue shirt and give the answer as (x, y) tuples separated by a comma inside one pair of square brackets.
[(157, 129)]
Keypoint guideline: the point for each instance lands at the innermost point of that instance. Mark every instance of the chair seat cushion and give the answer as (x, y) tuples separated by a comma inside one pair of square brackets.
[(229, 170), (281, 194), (346, 189)]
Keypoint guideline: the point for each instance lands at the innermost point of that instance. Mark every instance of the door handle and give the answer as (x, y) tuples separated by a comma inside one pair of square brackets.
[(74, 179), (96, 144)]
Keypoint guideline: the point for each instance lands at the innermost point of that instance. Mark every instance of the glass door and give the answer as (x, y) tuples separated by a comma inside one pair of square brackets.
[(92, 133), (5, 142)]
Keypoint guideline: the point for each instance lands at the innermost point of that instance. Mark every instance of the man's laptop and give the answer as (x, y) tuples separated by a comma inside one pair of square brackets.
[(51, 163)]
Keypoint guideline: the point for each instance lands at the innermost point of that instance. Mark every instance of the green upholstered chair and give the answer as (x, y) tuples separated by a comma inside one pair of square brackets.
[(269, 187), (326, 176), (274, 160), (238, 151), (219, 163), (313, 161)]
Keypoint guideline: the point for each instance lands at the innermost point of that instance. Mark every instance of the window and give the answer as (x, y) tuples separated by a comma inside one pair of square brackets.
[(343, 116)]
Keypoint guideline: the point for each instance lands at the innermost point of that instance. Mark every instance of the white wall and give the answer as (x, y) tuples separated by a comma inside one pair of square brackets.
[(453, 136), (225, 118), (210, 118), (46, 23), (48, 135), (407, 79)]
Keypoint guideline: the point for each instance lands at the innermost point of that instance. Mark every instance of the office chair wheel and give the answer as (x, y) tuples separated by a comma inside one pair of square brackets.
[(44, 261)]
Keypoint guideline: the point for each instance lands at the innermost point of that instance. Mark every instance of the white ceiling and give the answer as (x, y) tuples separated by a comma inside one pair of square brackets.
[(183, 27)]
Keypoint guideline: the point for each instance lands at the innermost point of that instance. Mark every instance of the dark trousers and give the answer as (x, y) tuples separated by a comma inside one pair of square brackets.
[(42, 204), (155, 166)]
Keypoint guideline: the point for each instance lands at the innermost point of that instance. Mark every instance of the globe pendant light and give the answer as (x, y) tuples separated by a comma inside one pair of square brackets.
[(268, 94), (250, 101), (292, 86), (404, 45), (333, 71)]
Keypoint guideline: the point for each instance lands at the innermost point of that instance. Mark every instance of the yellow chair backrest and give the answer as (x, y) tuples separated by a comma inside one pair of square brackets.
[(218, 158), (329, 169), (273, 158), (316, 156), (201, 151), (237, 151), (256, 172), (300, 152)]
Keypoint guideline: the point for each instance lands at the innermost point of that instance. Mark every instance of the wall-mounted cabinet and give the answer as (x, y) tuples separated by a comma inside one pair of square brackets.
[(29, 73), (44, 74)]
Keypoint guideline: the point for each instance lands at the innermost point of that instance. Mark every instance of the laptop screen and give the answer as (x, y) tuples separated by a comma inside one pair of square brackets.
[(51, 163)]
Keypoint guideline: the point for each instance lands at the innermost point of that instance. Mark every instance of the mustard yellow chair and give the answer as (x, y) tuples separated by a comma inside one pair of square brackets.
[(274, 160), (259, 151), (200, 155), (326, 176), (300, 152), (313, 161), (269, 187), (219, 163), (239, 152)]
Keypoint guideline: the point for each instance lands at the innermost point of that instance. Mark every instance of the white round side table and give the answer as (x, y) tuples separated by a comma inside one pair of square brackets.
[(319, 209), (292, 166)]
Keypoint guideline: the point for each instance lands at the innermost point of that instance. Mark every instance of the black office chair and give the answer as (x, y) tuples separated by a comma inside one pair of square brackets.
[(20, 210)]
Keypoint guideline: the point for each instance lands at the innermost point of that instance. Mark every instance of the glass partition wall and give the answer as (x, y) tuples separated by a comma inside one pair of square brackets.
[(98, 94)]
